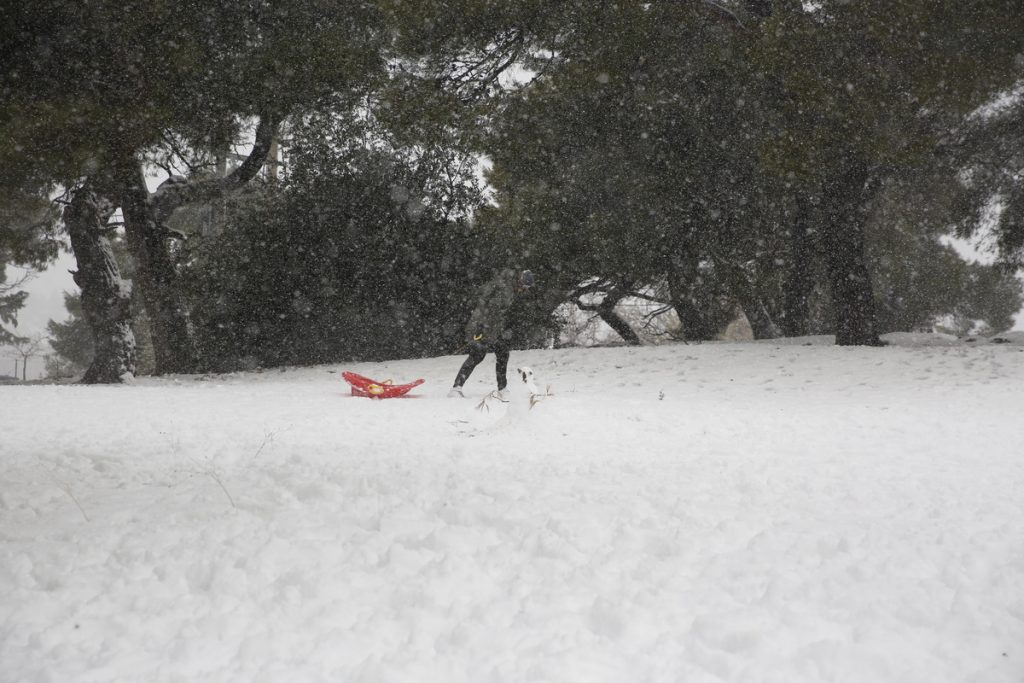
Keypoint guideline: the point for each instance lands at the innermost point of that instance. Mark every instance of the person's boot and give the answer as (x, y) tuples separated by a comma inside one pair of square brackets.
[(456, 392)]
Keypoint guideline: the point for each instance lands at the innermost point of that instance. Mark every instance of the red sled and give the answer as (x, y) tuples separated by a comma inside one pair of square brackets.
[(371, 388)]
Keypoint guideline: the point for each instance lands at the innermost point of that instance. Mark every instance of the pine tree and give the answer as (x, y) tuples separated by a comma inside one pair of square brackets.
[(89, 90), (28, 240), (860, 88)]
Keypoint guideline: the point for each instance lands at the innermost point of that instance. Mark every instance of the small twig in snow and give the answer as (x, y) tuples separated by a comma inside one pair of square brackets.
[(213, 475), (268, 437), (208, 471), (537, 398), (64, 487)]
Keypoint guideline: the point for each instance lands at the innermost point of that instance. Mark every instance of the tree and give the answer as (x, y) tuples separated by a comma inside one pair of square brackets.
[(26, 348), (106, 296), (363, 251), (720, 155), (860, 86), (72, 339), (628, 160), (985, 154), (27, 239), (919, 279), (764, 143), (146, 217), (11, 300), (90, 90)]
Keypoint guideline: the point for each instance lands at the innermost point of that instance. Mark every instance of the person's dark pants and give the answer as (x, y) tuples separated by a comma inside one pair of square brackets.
[(477, 352)]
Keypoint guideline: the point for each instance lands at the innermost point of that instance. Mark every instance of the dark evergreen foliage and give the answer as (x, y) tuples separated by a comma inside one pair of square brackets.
[(28, 240), (799, 163), (72, 339), (362, 254)]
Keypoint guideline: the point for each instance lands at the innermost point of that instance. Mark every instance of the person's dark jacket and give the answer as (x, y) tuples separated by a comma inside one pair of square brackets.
[(490, 317)]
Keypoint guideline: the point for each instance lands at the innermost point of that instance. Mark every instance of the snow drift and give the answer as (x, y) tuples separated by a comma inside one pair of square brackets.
[(722, 512)]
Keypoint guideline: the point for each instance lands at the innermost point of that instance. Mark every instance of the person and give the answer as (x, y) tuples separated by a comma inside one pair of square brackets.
[(491, 326)]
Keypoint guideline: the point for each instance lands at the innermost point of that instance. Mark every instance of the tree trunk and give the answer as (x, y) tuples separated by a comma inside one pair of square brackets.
[(758, 315), (106, 297), (145, 215), (272, 160), (173, 346), (842, 244), (697, 324), (761, 323), (606, 311), (799, 281)]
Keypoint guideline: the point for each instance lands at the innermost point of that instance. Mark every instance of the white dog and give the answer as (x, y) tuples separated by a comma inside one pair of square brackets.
[(536, 395)]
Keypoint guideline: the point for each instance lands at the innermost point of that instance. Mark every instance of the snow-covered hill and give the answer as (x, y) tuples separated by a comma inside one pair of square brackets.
[(724, 512)]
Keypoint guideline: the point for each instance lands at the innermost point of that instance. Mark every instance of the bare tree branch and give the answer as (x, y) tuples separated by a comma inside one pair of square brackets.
[(171, 196), (16, 284), (724, 11), (63, 486), (265, 132), (177, 151)]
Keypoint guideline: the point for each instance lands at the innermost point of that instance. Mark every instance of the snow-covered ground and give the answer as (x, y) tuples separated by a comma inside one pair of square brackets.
[(724, 512)]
